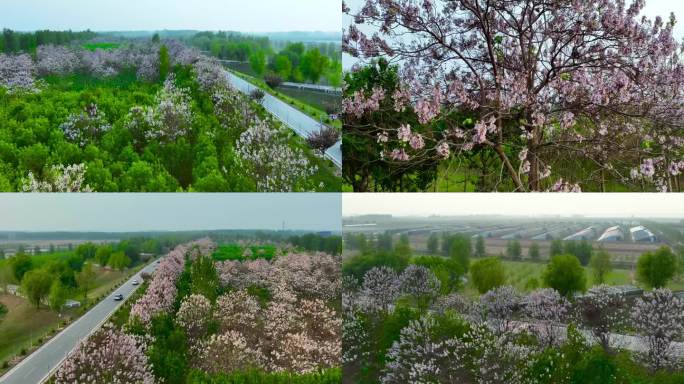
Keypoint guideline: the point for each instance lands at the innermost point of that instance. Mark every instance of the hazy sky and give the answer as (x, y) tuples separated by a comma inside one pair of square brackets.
[(234, 15), (528, 204), (172, 211)]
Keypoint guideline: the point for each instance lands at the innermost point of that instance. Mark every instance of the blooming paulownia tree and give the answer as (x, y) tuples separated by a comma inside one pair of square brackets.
[(549, 84), (658, 317), (107, 356)]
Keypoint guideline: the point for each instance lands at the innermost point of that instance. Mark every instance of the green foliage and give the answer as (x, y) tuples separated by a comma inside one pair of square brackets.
[(167, 353), (3, 310), (358, 265), (164, 62), (313, 65), (88, 251), (20, 264), (103, 46), (600, 266), (85, 279), (460, 250), (204, 278), (257, 61), (58, 295), (328, 376), (315, 242), (582, 250), (120, 160), (36, 285), (119, 260), (237, 252), (655, 269), (448, 271), (403, 247), (487, 273), (534, 251), (102, 254), (480, 247), (282, 66), (12, 41), (556, 247), (565, 274), (362, 168), (433, 243), (596, 367), (384, 242), (357, 242), (513, 250)]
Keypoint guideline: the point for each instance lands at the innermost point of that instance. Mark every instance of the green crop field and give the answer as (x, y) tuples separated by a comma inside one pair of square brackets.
[(103, 46), (236, 252)]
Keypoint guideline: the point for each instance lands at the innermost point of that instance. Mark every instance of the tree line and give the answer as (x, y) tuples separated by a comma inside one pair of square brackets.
[(13, 41)]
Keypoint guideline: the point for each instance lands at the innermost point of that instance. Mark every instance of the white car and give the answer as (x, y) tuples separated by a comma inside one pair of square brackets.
[(136, 282), (118, 297)]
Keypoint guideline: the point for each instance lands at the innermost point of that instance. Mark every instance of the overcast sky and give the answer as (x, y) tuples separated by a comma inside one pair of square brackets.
[(171, 211), (234, 15), (527, 204)]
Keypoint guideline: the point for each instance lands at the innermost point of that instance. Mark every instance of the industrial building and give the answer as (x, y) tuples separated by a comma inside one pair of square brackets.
[(642, 234), (612, 234), (585, 234)]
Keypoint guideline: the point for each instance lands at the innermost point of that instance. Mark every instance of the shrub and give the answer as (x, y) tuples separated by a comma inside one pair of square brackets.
[(487, 274), (323, 139), (273, 80), (565, 274), (257, 95)]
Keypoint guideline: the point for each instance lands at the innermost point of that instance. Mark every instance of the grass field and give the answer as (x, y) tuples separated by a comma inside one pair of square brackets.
[(235, 252), (24, 325), (519, 274), (103, 46)]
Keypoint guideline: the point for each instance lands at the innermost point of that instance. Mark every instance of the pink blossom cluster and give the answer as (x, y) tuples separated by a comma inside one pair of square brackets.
[(274, 164), (308, 275), (295, 331), (658, 317), (56, 59), (107, 356), (17, 73), (167, 120), (85, 127), (480, 356), (59, 178), (458, 57), (161, 293), (193, 315), (359, 104)]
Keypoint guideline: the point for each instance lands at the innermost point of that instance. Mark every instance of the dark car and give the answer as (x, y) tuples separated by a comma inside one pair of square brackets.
[(118, 297)]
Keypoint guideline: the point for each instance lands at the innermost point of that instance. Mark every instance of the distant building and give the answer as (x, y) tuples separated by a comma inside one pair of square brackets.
[(585, 234), (612, 234), (642, 234)]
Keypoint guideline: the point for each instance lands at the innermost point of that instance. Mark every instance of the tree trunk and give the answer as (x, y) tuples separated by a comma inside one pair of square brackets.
[(509, 167)]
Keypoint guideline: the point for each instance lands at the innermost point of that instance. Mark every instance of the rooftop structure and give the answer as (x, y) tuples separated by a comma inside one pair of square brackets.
[(642, 234), (612, 234), (585, 234)]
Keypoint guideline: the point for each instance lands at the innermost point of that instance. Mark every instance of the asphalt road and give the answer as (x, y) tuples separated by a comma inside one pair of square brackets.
[(298, 121), (37, 367)]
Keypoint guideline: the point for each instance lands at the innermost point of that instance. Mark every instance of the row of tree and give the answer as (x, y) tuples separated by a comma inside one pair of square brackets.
[(68, 273), (13, 42), (565, 271)]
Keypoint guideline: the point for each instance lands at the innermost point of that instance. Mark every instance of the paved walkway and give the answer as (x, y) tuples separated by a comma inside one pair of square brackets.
[(298, 121), (41, 364)]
